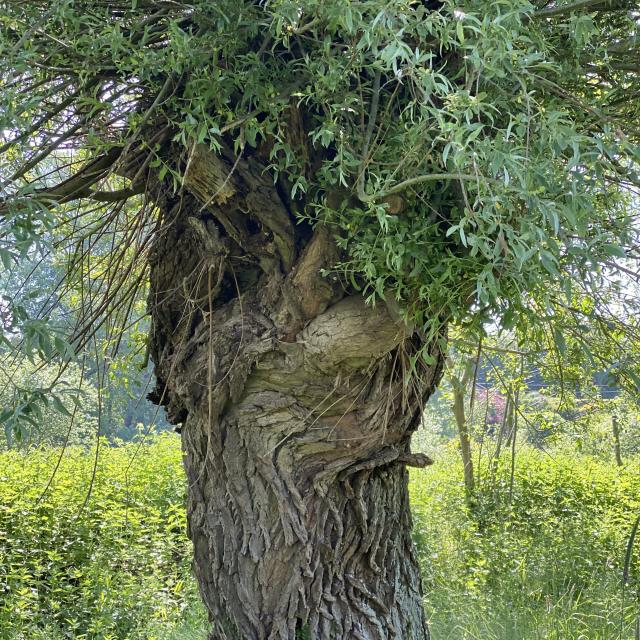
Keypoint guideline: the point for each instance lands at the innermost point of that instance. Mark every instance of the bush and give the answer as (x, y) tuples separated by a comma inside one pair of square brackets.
[(544, 562), (112, 564), (32, 415)]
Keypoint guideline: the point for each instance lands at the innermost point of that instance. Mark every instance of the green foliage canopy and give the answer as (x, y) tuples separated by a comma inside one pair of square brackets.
[(478, 161)]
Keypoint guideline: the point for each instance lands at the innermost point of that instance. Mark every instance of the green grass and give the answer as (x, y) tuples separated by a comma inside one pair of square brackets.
[(543, 563)]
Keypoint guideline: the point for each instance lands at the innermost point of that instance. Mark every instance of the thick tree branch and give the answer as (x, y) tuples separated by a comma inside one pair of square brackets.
[(411, 182), (79, 185), (118, 195)]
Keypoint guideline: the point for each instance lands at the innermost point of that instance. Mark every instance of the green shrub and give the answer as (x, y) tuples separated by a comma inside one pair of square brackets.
[(541, 562), (112, 568)]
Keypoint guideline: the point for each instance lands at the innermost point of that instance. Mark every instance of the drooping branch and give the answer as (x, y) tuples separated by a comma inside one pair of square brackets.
[(579, 5), (80, 185)]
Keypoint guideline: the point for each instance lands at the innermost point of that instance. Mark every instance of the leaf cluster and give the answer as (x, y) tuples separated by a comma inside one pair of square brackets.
[(478, 161)]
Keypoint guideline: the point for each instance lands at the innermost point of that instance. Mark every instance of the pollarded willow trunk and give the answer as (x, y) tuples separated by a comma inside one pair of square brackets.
[(295, 418)]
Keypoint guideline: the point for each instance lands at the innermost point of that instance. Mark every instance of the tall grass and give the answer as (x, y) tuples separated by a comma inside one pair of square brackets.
[(543, 561)]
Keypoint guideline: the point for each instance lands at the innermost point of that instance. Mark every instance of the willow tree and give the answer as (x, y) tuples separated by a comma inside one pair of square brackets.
[(313, 191)]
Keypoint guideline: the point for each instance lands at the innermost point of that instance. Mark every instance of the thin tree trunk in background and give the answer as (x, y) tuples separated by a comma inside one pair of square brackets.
[(483, 435), (509, 427), (616, 439), (108, 407), (505, 426), (129, 413), (296, 421), (514, 436), (459, 387)]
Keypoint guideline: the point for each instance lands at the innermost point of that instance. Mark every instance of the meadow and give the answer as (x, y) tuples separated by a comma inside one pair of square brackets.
[(102, 553)]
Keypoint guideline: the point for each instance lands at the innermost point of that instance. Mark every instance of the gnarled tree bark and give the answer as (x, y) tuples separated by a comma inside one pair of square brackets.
[(296, 417)]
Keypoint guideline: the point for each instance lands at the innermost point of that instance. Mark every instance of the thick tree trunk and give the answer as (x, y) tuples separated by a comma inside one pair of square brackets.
[(296, 419)]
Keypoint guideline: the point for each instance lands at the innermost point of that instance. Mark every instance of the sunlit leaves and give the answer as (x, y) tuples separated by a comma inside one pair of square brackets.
[(109, 570), (528, 120)]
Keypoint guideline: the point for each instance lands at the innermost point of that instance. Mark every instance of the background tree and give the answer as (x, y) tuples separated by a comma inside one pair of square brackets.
[(460, 385), (327, 186)]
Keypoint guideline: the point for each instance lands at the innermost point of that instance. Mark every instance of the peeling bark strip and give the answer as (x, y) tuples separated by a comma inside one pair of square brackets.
[(296, 419)]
